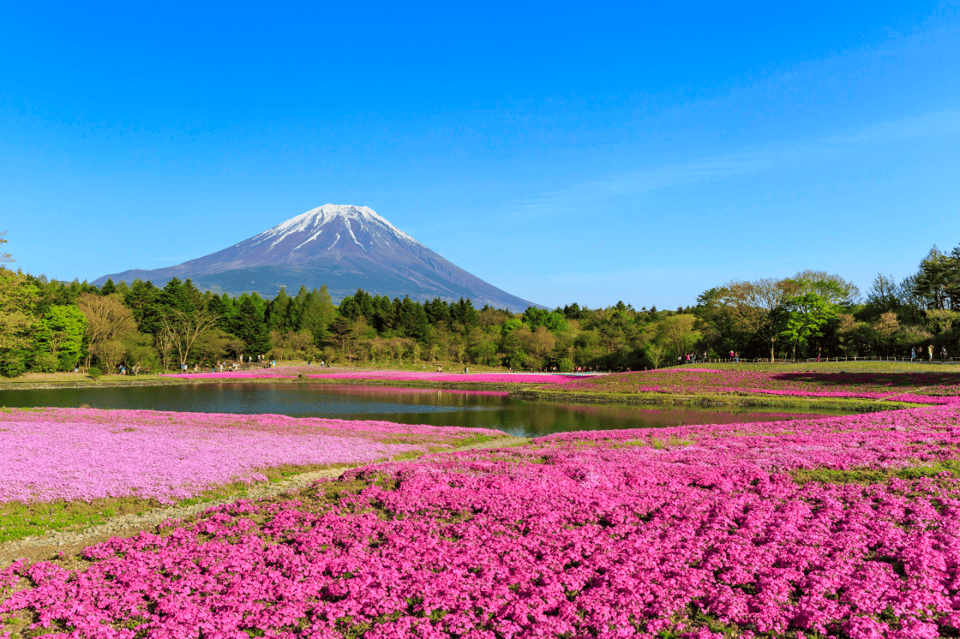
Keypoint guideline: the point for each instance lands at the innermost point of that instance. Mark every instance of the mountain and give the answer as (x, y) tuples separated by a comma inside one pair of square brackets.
[(345, 247)]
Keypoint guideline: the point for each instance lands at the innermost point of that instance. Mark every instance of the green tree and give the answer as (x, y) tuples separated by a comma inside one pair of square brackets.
[(18, 300), (278, 312), (58, 338), (938, 281), (677, 333), (342, 331), (108, 288), (249, 324), (802, 317)]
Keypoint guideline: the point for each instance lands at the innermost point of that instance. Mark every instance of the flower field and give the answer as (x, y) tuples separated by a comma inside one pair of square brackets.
[(399, 376), (918, 387), (84, 454), (843, 526)]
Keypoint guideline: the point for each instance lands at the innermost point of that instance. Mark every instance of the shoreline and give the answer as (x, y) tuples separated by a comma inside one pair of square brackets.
[(517, 391)]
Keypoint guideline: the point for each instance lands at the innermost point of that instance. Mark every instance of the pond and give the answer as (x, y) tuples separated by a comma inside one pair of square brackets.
[(402, 405)]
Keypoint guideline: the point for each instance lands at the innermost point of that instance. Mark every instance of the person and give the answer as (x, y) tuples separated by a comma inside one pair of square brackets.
[(819, 350), (943, 353), (930, 351), (913, 353)]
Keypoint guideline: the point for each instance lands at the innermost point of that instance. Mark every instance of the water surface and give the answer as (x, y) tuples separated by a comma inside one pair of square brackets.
[(402, 405)]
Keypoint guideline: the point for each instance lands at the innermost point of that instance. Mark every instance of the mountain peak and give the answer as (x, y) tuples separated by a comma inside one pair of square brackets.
[(341, 245), (308, 227)]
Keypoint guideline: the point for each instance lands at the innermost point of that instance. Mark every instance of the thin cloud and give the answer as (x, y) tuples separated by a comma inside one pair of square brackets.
[(927, 124), (720, 167)]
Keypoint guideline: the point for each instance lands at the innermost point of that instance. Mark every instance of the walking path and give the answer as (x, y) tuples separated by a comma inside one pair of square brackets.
[(71, 543)]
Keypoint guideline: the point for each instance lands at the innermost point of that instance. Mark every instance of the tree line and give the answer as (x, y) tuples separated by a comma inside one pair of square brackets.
[(48, 326)]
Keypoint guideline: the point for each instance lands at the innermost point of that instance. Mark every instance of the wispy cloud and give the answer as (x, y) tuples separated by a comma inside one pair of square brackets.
[(746, 161), (640, 181), (910, 128)]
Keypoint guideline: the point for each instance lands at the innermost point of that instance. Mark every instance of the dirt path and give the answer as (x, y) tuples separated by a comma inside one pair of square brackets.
[(49, 546)]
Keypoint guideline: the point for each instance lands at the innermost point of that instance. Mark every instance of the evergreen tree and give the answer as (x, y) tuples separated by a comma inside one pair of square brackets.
[(249, 324), (278, 312)]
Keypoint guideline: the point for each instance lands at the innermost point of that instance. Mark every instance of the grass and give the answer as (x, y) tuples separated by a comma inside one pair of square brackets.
[(813, 404), (866, 476), (848, 366), (19, 520)]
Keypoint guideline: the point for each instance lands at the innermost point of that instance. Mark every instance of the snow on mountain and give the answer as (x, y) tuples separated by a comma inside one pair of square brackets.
[(342, 246), (313, 221)]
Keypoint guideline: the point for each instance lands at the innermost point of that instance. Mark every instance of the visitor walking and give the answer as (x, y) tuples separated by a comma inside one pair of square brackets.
[(913, 353)]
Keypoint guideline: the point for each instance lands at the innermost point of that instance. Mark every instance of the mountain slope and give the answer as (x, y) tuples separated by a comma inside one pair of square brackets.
[(345, 247)]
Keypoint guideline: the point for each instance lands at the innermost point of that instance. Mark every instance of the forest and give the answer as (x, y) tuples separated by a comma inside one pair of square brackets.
[(48, 326)]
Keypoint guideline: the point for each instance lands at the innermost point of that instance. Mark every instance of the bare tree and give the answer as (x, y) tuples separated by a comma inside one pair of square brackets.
[(678, 332), (108, 320), (180, 329), (752, 305), (885, 330), (5, 258), (541, 342)]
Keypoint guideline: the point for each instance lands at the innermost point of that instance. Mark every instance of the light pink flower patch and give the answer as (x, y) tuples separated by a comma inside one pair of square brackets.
[(921, 387), (491, 378), (86, 453)]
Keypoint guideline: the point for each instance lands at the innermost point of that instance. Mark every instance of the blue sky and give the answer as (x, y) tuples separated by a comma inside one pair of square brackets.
[(563, 152)]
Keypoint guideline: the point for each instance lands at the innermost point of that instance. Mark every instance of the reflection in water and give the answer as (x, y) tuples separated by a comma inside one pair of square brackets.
[(482, 409)]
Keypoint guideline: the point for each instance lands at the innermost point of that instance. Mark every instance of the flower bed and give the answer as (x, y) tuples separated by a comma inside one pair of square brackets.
[(488, 378), (684, 532), (86, 453), (406, 376), (930, 388)]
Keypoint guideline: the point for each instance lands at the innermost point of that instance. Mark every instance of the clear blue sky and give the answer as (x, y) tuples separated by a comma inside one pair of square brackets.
[(581, 152)]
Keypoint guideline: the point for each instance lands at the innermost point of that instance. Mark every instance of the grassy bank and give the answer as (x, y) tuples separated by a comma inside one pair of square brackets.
[(801, 404)]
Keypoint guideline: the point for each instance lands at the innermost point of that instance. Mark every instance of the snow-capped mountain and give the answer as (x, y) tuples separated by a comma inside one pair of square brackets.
[(343, 246)]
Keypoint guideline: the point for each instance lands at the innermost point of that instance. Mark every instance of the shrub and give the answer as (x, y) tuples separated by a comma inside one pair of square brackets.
[(95, 373), (46, 363), (565, 365), (11, 365)]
